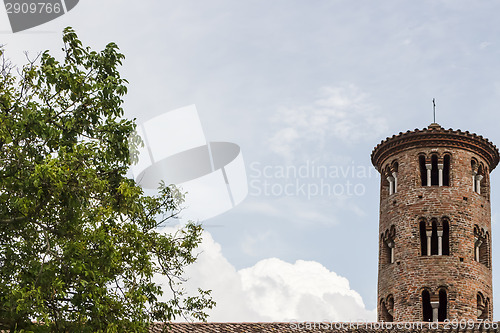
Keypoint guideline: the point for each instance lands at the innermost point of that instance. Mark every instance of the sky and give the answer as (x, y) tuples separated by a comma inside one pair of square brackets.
[(301, 87)]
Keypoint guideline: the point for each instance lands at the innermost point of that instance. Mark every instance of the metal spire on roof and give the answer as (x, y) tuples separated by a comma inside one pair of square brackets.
[(434, 104)]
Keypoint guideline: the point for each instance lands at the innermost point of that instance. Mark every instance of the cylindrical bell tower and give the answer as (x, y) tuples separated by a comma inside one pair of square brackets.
[(435, 225)]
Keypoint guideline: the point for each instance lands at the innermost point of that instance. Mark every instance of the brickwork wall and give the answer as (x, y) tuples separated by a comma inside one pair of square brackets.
[(458, 273)]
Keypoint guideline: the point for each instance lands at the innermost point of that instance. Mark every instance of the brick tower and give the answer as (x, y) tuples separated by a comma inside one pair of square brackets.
[(435, 225)]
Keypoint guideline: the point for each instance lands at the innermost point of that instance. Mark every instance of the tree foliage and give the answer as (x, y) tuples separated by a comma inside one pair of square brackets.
[(79, 243)]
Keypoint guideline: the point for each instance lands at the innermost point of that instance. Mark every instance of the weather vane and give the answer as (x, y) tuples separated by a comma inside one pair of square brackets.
[(434, 104)]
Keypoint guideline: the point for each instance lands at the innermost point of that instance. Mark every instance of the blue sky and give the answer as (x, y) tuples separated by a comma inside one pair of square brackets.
[(299, 84)]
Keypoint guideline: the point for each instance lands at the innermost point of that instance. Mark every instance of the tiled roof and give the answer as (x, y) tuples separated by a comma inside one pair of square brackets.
[(316, 328)]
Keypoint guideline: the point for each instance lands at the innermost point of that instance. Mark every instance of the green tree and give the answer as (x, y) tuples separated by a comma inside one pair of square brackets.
[(79, 243)]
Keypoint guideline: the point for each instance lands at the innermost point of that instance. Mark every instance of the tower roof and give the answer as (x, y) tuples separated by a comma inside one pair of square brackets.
[(435, 136)]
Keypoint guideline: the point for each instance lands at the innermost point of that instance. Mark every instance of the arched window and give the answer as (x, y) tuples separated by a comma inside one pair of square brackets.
[(481, 246), (434, 238), (482, 307), (394, 170), (479, 179), (423, 239), (388, 245), (443, 305), (484, 255), (446, 238), (383, 314), (426, 306), (434, 170), (390, 179), (434, 307), (387, 255), (390, 308), (387, 309), (446, 170), (423, 170), (474, 167), (477, 242), (485, 183)]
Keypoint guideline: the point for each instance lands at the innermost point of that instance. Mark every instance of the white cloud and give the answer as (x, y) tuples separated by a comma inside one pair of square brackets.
[(213, 272), (273, 290), (342, 112), (303, 291)]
